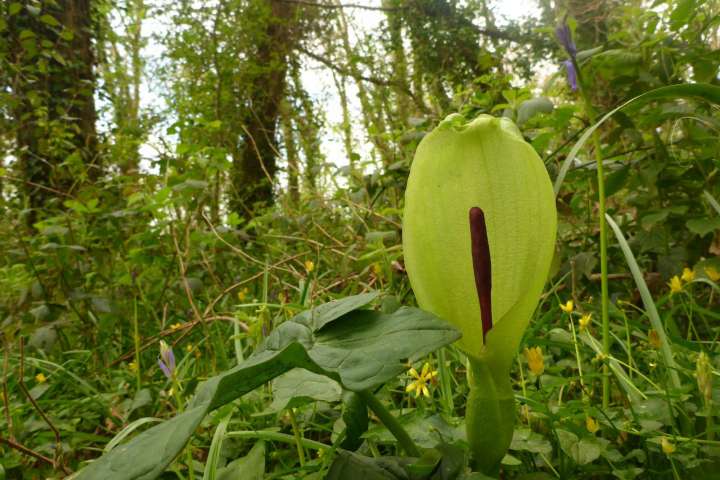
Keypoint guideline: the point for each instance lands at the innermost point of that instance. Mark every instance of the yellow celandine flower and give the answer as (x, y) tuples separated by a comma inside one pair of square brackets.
[(420, 383), (591, 424), (40, 378), (668, 447), (309, 266), (176, 326), (189, 347), (675, 285), (242, 294), (535, 360), (568, 307), (712, 274), (688, 275), (654, 339), (585, 321)]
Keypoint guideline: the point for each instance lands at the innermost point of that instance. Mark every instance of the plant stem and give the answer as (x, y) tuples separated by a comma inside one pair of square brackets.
[(278, 437), (298, 436), (390, 422), (605, 316), (136, 340)]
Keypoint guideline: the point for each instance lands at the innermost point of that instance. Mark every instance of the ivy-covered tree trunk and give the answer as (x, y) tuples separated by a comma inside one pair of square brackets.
[(255, 164), (50, 54)]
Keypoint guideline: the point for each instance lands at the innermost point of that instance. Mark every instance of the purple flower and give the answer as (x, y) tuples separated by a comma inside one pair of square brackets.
[(564, 36), (571, 74), (166, 360)]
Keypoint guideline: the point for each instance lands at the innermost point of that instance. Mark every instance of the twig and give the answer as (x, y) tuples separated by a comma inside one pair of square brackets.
[(32, 453), (6, 398), (56, 432)]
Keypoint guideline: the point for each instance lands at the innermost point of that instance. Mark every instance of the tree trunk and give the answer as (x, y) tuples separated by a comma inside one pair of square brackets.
[(54, 110), (255, 166)]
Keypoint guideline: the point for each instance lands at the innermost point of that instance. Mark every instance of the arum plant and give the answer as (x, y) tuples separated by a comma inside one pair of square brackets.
[(478, 236)]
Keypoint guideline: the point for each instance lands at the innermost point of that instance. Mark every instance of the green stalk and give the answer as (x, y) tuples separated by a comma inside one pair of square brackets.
[(136, 341), (489, 415), (390, 422), (277, 437), (605, 304), (298, 436)]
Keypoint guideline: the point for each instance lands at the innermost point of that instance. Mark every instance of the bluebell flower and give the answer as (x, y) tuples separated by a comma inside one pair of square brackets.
[(166, 360), (571, 74), (564, 36)]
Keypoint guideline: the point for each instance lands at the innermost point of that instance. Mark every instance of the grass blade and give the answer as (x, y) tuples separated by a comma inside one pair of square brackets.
[(665, 348), (711, 200)]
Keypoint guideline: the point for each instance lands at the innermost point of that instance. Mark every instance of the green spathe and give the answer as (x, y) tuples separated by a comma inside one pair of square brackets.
[(484, 163)]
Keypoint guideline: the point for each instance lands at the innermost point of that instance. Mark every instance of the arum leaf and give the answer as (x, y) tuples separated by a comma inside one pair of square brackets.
[(362, 349), (249, 467), (299, 386)]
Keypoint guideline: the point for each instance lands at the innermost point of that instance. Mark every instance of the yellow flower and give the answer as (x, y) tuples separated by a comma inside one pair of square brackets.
[(420, 383), (667, 446), (176, 326), (712, 274), (242, 294), (568, 307), (535, 360), (189, 348), (40, 378), (688, 275), (654, 339), (675, 285), (133, 366), (585, 321), (591, 424), (309, 266)]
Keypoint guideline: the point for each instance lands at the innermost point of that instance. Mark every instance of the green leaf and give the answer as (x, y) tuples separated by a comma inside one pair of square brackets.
[(300, 386), (529, 108), (647, 299), (681, 14), (249, 467), (316, 318), (49, 20), (705, 91), (582, 451), (146, 456), (14, 8), (703, 226), (369, 348), (351, 466), (363, 350)]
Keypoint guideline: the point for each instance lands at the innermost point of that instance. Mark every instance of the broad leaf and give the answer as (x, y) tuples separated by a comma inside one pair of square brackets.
[(299, 386), (362, 349)]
